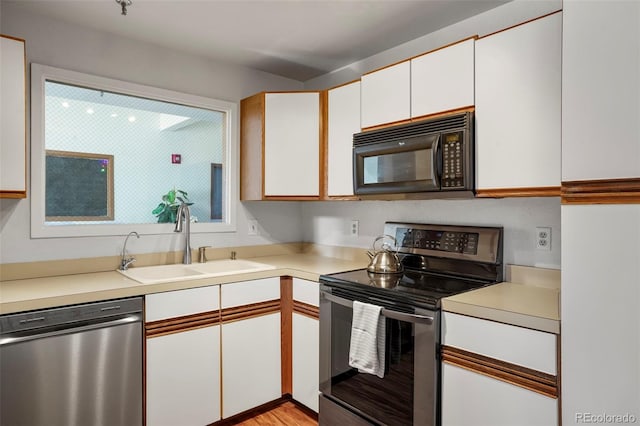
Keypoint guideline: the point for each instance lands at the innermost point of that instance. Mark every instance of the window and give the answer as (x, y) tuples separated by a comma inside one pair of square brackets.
[(106, 153)]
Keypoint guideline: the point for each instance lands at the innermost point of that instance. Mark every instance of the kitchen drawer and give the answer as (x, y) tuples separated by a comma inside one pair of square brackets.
[(529, 348), (181, 302), (306, 292), (248, 292)]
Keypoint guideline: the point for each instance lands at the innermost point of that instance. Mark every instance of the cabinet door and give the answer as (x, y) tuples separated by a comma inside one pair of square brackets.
[(306, 360), (305, 336), (443, 80), (292, 144), (518, 88), (250, 363), (471, 399), (600, 254), (600, 90), (12, 119), (386, 95), (344, 121), (183, 378)]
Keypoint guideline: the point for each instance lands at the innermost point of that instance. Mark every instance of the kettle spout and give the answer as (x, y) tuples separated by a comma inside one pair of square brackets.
[(370, 255)]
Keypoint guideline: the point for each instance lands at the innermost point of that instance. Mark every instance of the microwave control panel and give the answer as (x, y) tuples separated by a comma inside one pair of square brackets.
[(453, 160)]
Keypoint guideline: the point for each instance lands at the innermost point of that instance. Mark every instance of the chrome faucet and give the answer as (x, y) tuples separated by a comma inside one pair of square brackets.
[(124, 260), (184, 213)]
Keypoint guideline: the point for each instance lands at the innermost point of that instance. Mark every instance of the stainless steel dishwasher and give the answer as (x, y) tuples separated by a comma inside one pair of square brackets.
[(74, 366)]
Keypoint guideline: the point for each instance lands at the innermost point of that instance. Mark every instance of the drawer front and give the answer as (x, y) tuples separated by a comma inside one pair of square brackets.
[(181, 302), (248, 292), (306, 291), (529, 348)]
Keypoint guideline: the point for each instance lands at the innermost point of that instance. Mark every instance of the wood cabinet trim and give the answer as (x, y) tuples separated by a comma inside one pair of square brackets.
[(323, 141), (519, 24), (603, 191), (468, 108), (251, 155), (13, 194), (180, 324), (541, 191), (243, 312), (286, 334), (536, 381), (306, 309)]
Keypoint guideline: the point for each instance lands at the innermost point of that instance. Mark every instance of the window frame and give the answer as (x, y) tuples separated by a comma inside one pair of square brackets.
[(42, 73)]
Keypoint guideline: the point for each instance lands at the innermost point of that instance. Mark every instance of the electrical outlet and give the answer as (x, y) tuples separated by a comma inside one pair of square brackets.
[(253, 227), (543, 238), (354, 228)]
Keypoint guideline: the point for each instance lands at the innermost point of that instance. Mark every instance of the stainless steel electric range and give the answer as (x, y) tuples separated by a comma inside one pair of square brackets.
[(438, 261)]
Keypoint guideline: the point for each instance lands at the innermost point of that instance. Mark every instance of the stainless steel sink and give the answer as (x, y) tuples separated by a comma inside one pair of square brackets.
[(179, 272)]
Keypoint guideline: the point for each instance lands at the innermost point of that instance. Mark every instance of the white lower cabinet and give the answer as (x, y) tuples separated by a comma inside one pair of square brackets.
[(182, 366), (183, 378), (251, 360), (496, 374), (472, 399), (305, 344)]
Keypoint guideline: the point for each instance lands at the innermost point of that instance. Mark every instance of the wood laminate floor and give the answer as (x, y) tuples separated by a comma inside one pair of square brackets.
[(286, 414)]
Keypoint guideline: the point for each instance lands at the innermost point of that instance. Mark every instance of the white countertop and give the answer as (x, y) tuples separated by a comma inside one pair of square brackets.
[(525, 305)]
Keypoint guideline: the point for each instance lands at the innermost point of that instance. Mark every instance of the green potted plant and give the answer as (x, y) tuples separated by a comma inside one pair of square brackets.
[(167, 210)]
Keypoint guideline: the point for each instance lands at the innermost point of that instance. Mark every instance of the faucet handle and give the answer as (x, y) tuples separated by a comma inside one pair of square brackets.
[(202, 255)]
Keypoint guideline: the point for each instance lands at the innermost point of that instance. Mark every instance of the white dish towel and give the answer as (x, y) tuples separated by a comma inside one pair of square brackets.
[(367, 347)]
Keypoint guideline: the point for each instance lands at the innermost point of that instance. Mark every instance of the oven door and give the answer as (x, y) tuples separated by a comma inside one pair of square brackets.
[(399, 166), (409, 392)]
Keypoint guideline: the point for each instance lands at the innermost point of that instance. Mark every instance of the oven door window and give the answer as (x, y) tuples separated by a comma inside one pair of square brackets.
[(410, 165), (388, 400)]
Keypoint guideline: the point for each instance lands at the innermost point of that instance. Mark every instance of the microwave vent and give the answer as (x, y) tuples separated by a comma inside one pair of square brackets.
[(406, 131)]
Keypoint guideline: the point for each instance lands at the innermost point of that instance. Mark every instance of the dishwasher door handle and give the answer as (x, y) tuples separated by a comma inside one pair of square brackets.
[(400, 316), (18, 337)]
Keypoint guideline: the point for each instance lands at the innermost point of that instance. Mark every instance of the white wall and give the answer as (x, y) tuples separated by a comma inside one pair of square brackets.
[(328, 222), (58, 44)]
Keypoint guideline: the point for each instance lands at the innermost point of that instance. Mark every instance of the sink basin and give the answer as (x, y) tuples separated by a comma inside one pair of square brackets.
[(179, 272)]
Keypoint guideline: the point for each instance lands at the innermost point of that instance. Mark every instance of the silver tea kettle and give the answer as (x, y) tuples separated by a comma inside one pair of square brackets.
[(384, 261)]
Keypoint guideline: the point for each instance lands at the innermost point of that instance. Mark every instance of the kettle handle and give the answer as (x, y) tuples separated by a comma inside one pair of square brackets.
[(382, 237)]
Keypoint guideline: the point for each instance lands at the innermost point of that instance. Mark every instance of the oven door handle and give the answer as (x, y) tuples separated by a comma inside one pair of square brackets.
[(400, 316)]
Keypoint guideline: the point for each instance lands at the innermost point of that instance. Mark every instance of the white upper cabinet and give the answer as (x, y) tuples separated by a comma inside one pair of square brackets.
[(443, 80), (343, 122), (292, 144), (386, 95), (518, 108), (280, 146), (600, 90), (13, 165)]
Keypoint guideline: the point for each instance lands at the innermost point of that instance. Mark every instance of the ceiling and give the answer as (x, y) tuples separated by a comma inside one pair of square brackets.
[(298, 39)]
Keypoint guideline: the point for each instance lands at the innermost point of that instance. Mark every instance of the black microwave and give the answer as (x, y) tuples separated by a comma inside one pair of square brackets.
[(428, 159)]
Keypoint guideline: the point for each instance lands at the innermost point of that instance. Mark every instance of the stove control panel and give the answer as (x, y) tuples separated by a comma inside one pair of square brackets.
[(449, 241), (473, 243)]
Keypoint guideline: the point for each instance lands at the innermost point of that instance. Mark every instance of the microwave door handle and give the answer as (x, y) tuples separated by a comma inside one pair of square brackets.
[(436, 163), (400, 316)]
